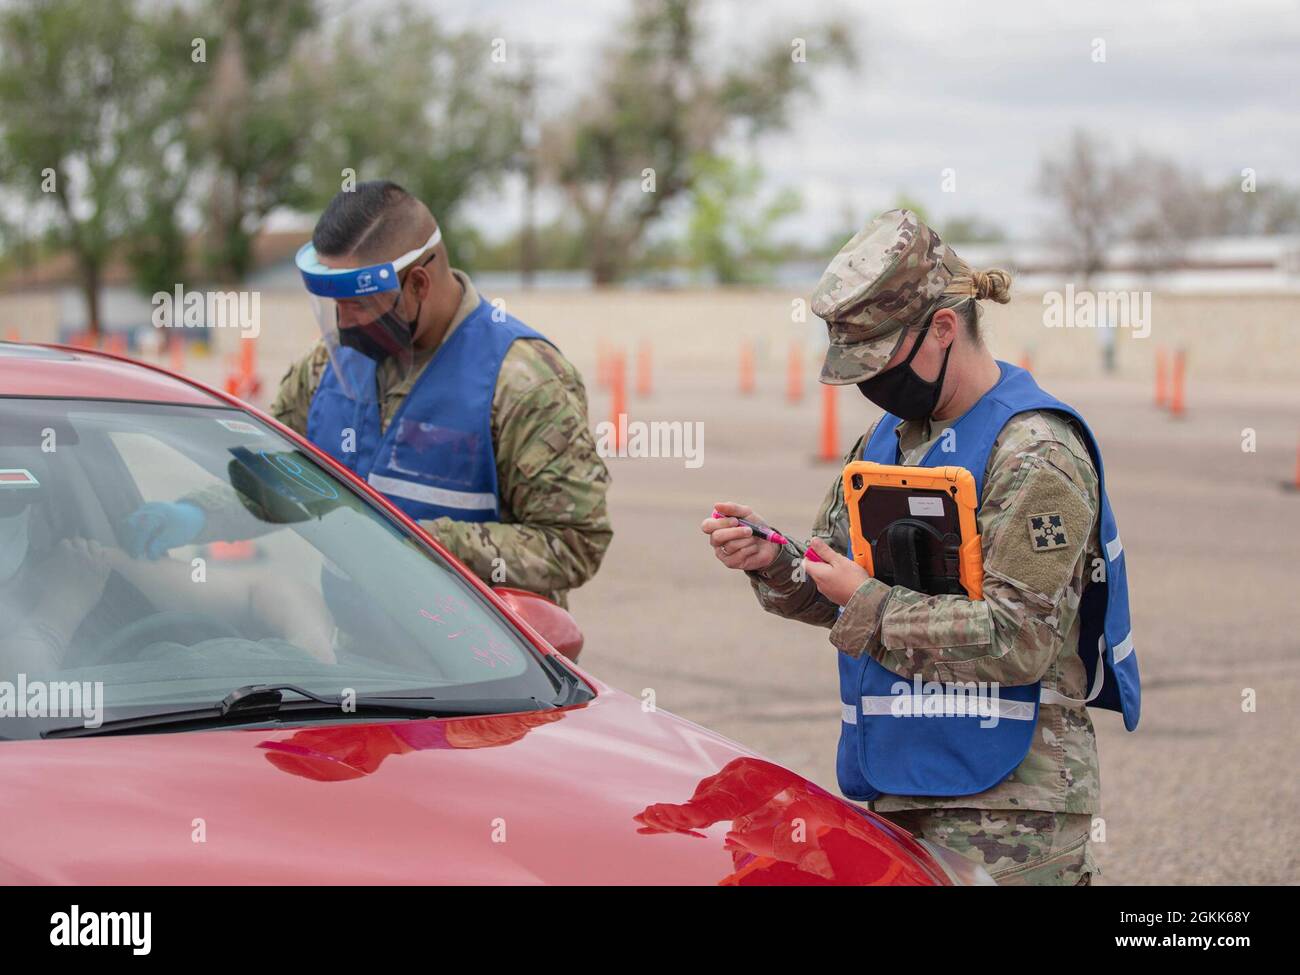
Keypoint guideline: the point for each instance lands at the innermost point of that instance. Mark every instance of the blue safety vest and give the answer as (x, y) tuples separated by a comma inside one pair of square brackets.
[(436, 458), (898, 738)]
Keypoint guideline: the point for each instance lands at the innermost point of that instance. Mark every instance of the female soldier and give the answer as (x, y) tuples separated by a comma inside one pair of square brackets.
[(1014, 786)]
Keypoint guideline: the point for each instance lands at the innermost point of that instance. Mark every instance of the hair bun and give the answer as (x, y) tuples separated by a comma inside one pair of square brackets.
[(993, 284)]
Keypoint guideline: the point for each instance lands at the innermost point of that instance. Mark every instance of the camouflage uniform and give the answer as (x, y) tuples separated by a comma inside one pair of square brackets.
[(1025, 629), (551, 482), (1017, 849)]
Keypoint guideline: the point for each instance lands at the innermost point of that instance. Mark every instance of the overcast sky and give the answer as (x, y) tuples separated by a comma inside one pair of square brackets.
[(983, 88)]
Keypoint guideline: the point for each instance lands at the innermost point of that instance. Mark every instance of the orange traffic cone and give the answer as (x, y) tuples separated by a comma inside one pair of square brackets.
[(830, 450), (250, 384), (176, 354), (618, 395), (1162, 378), (12, 335)]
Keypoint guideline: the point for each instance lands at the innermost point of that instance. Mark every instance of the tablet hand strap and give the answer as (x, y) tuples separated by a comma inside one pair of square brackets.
[(904, 540)]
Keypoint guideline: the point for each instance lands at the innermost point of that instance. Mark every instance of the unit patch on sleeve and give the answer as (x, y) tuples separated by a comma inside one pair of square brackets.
[(1047, 532)]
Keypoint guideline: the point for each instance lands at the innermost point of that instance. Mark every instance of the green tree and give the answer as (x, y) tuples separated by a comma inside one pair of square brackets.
[(731, 225), (156, 246), (626, 151), (84, 102), (407, 100), (251, 121)]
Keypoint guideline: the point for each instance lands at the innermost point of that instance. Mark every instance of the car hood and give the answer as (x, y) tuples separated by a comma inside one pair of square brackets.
[(605, 793)]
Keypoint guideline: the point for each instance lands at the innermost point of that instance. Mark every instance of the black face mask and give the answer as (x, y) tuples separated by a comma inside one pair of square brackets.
[(900, 391), (385, 336)]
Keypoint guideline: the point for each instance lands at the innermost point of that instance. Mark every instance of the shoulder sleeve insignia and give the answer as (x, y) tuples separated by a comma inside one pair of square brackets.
[(1047, 532)]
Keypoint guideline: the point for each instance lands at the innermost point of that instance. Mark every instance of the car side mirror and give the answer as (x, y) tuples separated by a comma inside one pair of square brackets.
[(554, 623)]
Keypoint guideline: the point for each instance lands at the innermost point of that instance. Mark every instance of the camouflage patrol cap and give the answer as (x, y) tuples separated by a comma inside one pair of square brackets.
[(885, 278)]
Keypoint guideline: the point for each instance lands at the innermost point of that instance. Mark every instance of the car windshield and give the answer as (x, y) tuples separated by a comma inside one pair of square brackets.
[(292, 577)]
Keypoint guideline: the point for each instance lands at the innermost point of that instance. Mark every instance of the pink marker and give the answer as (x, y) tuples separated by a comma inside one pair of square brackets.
[(762, 531), (769, 534)]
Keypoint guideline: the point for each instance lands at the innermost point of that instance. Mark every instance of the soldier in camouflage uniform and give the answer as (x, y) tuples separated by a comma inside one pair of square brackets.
[(551, 482), (554, 526), (883, 286)]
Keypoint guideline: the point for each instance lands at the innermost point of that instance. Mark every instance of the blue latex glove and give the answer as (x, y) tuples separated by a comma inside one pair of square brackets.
[(158, 526)]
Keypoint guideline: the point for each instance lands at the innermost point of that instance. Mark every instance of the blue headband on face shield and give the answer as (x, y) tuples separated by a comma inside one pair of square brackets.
[(355, 282)]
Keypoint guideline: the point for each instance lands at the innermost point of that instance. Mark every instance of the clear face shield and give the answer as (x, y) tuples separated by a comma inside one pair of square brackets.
[(358, 312)]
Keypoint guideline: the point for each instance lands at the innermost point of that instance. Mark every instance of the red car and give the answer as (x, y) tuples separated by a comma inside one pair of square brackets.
[(314, 691)]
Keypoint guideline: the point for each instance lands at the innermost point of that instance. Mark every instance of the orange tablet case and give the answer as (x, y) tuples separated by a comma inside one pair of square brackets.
[(957, 482)]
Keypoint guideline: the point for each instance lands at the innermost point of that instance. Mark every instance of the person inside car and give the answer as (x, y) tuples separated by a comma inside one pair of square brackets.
[(47, 594), (44, 596)]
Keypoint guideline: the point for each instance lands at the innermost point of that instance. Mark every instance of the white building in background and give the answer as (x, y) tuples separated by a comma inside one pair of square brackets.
[(1213, 264)]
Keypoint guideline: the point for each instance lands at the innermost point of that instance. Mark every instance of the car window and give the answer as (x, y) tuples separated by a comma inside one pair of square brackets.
[(176, 553)]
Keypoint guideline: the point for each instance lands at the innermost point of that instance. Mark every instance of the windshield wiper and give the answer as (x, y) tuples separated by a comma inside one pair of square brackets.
[(572, 690), (256, 702)]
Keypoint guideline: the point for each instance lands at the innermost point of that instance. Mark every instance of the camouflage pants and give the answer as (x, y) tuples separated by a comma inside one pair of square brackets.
[(1016, 848)]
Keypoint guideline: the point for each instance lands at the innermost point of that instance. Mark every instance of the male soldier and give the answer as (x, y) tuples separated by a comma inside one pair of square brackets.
[(1051, 632), (468, 420)]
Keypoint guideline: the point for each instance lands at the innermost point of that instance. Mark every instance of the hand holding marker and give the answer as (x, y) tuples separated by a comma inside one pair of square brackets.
[(770, 535)]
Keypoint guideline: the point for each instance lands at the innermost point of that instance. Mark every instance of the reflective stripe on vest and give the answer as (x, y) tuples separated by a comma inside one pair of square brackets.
[(954, 752), (396, 487)]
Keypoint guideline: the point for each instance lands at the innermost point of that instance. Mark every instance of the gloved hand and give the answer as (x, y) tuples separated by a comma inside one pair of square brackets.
[(158, 526)]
